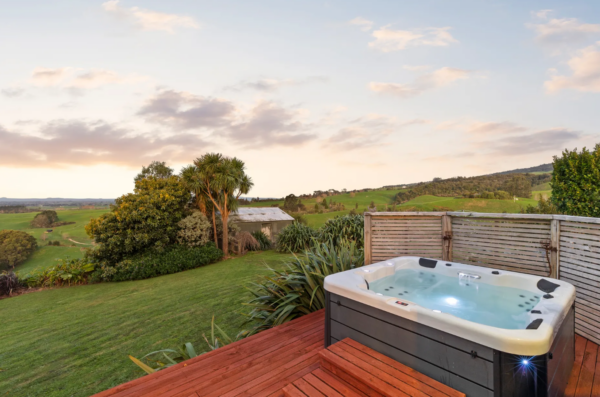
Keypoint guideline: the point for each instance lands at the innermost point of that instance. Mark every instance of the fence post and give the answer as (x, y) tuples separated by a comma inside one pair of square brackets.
[(555, 246), (367, 237), (447, 238)]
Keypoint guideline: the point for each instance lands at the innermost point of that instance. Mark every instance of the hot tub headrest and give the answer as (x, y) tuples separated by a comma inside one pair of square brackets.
[(535, 324), (430, 263), (546, 286)]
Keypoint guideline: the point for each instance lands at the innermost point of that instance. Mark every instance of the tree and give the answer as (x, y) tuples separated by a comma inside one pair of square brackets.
[(147, 218), (15, 247), (194, 230), (190, 176), (156, 169), (519, 185), (45, 219), (576, 182), (325, 205), (291, 203), (223, 180)]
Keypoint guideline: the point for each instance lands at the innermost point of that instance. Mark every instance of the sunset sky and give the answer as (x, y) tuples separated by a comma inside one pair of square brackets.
[(310, 94)]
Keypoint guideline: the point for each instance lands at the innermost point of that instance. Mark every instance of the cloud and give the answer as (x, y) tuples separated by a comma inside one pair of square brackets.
[(585, 72), (542, 14), (268, 124), (13, 92), (272, 85), (367, 132), (416, 68), (543, 141), (150, 20), (436, 79), (563, 31), (80, 79), (185, 111), (388, 40), (265, 124), (491, 128), (74, 142), (364, 24)]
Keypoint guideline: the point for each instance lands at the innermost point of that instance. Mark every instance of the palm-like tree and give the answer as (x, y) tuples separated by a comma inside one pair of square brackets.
[(220, 181)]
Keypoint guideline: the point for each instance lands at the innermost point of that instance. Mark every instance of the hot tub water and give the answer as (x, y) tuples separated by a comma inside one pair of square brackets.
[(462, 296)]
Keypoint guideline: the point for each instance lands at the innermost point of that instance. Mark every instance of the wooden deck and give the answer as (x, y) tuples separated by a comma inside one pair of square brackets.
[(284, 361)]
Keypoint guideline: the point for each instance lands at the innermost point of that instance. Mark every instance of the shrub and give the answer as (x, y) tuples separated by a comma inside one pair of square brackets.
[(246, 242), (15, 247), (141, 220), (44, 219), (544, 206), (502, 195), (154, 263), (9, 283), (295, 238), (576, 182), (66, 272), (298, 289), (300, 218), (344, 228), (194, 230), (263, 240)]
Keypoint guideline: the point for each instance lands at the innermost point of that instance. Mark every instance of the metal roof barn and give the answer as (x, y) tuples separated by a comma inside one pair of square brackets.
[(270, 220)]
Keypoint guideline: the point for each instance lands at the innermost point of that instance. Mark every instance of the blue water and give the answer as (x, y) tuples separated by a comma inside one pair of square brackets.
[(471, 300)]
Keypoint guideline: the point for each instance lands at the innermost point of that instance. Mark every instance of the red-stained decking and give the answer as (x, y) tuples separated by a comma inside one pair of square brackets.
[(264, 364)]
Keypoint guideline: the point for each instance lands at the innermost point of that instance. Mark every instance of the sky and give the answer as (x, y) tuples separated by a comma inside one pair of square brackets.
[(311, 95)]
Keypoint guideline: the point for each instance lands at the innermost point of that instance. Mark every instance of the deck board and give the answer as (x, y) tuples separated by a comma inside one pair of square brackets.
[(266, 363)]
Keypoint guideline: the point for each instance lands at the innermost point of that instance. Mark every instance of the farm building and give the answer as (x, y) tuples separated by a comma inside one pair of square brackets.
[(268, 219)]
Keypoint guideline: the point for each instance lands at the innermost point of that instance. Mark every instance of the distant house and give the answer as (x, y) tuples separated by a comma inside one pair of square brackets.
[(268, 219)]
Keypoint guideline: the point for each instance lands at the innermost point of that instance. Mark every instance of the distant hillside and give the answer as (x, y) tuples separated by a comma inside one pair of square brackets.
[(539, 168)]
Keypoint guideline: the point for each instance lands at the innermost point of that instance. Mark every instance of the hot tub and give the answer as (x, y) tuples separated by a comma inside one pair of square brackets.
[(484, 332)]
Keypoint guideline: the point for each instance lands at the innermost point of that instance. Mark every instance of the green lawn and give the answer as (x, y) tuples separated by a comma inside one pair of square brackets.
[(75, 341), (45, 256)]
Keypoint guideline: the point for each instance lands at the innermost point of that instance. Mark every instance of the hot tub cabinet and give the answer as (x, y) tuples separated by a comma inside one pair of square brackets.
[(476, 359)]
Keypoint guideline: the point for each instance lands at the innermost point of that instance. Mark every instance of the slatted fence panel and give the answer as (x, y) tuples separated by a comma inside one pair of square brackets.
[(580, 265), (392, 237), (508, 244)]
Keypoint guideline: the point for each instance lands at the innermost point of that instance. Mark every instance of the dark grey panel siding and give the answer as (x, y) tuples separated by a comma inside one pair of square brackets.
[(405, 341)]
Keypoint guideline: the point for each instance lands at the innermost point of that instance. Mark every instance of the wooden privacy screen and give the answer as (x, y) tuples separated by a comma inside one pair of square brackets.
[(559, 246)]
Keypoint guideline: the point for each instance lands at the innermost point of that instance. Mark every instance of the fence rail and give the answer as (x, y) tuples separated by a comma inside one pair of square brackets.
[(558, 246)]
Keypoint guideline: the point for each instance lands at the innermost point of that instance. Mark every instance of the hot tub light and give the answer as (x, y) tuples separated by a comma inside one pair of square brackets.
[(452, 301), (525, 362)]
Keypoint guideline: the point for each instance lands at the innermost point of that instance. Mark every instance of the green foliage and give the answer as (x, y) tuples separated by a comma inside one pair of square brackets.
[(9, 283), (15, 247), (518, 186), (156, 169), (263, 240), (344, 228), (45, 219), (544, 206), (54, 243), (298, 288), (576, 182), (165, 358), (66, 272), (300, 218), (147, 218), (194, 230), (295, 238), (325, 205), (154, 263), (502, 195)]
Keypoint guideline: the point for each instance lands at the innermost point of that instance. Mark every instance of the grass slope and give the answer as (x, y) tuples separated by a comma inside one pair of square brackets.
[(46, 255), (75, 341)]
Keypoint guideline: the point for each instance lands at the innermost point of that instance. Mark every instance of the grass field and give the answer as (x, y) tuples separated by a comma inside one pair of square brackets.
[(75, 341), (45, 256)]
